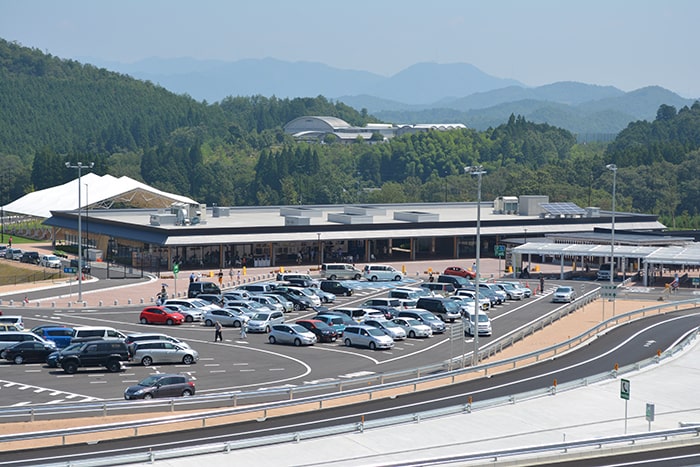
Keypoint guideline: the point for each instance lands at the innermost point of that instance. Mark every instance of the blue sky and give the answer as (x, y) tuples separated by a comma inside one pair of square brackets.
[(627, 44)]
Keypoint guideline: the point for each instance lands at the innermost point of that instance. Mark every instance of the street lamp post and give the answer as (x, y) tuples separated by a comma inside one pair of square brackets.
[(80, 167), (478, 171), (613, 168), (318, 253)]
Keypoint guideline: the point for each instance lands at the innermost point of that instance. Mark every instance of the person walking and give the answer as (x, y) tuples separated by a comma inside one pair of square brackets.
[(221, 278), (191, 277), (218, 335), (244, 327), (541, 284)]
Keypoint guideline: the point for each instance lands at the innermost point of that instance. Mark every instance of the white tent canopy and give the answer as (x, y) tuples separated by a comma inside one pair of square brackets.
[(102, 191)]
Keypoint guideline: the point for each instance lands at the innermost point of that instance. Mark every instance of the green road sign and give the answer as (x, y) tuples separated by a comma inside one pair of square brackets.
[(650, 412), (176, 268), (499, 250), (625, 389)]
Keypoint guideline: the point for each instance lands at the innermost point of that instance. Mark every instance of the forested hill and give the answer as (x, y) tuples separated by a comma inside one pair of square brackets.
[(236, 153)]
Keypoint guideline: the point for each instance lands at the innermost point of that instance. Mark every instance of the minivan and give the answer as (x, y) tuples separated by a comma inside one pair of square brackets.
[(603, 273), (458, 281), (484, 324), (13, 253), (264, 287), (381, 272), (367, 336), (426, 317), (441, 288), (196, 288), (12, 337), (341, 271), (103, 332), (443, 308), (13, 320)]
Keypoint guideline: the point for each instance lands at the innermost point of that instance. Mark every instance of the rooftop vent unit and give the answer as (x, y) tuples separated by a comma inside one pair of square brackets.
[(416, 216)]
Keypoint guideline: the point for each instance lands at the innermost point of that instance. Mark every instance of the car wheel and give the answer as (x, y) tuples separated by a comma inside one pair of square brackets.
[(113, 366), (357, 277), (169, 322), (189, 318), (349, 293), (186, 393), (188, 359), (70, 367), (397, 278), (333, 277), (267, 329), (373, 278), (236, 324), (272, 339), (297, 342), (146, 361), (372, 346), (347, 343), (296, 307), (148, 395), (19, 359), (411, 334), (209, 323), (144, 321)]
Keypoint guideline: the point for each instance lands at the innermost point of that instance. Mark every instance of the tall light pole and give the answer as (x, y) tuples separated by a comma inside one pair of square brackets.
[(80, 167), (478, 171), (613, 168)]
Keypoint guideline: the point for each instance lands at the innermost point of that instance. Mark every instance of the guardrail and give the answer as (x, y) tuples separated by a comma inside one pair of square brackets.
[(411, 380), (225, 447)]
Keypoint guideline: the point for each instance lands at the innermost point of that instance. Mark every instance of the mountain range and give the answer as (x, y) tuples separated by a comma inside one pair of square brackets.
[(421, 93)]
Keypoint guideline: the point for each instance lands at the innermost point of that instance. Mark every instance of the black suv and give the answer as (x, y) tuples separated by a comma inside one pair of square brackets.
[(458, 281), (443, 308), (31, 257), (105, 353), (86, 266)]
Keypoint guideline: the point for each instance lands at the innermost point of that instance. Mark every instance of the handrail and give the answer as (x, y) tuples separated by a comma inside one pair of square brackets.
[(225, 447), (364, 385)]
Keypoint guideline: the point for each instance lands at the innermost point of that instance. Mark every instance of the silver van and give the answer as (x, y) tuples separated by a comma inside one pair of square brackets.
[(340, 271), (381, 272), (9, 338), (367, 336)]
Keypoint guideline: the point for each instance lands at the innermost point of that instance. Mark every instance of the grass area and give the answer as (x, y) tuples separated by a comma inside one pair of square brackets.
[(12, 273), (16, 240)]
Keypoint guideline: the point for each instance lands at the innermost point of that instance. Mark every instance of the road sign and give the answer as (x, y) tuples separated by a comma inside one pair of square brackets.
[(176, 268), (70, 270), (696, 281), (499, 250), (625, 389), (609, 291), (650, 412)]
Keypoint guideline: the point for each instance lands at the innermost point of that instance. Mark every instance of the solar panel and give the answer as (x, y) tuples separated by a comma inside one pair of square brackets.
[(563, 209)]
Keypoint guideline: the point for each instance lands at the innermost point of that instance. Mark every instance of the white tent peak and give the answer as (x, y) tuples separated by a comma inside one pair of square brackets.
[(96, 190)]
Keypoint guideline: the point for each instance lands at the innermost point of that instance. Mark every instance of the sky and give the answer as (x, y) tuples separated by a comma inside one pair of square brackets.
[(628, 44)]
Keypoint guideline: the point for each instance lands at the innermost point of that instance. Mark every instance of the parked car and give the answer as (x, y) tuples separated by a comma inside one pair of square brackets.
[(388, 311), (413, 327), (458, 282), (407, 298), (61, 336), (14, 320), (299, 300), (443, 308), (483, 325), (284, 301), (439, 288), (466, 303), (103, 353), (392, 302), (263, 321), (13, 254), (131, 339), (366, 336), (86, 266), (388, 327), (269, 302), (336, 287), (227, 317), (381, 272), (306, 292), (212, 298), (458, 271), (335, 321), (200, 287), (495, 289), (161, 385), (159, 351), (50, 261), (335, 271), (326, 297), (564, 294), (484, 301), (160, 315), (53, 357), (511, 291), (30, 257), (425, 317), (291, 334), (85, 333), (192, 309), (9, 338), (360, 314), (527, 292), (190, 314), (27, 352), (323, 331)]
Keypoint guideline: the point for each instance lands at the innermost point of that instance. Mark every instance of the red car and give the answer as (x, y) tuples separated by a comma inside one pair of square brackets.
[(160, 315), (457, 271)]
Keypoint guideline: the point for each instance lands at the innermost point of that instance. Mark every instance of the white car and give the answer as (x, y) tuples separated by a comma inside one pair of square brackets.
[(413, 327), (191, 311), (228, 317), (381, 272), (564, 294), (389, 328), (50, 261)]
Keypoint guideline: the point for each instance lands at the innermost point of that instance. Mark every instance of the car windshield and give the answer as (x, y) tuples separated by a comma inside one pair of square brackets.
[(429, 317), (150, 381), (298, 328), (483, 318), (72, 347), (563, 290), (389, 324), (413, 322), (200, 303), (375, 332), (261, 316)]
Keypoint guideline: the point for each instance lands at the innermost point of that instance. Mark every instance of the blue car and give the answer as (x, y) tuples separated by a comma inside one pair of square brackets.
[(61, 336)]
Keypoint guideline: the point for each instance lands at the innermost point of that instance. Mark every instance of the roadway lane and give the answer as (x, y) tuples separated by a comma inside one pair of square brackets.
[(623, 345)]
